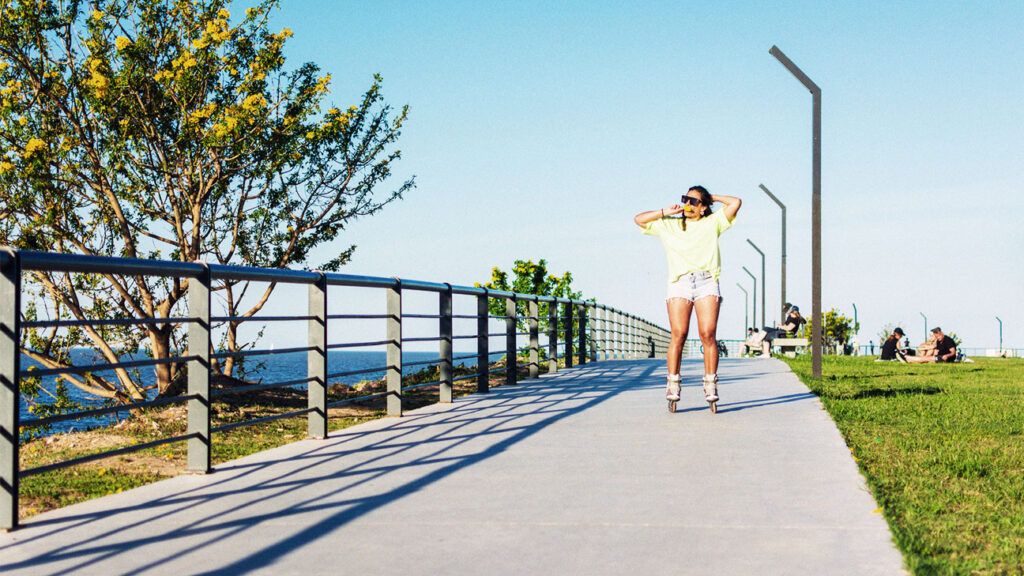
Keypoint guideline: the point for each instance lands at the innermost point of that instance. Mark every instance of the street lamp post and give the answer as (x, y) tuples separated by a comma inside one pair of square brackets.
[(782, 275), (816, 334), (746, 308), (754, 278), (856, 330), (764, 285), (925, 324), (1000, 335)]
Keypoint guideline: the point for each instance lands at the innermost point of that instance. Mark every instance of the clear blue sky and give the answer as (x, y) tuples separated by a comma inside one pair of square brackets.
[(537, 130)]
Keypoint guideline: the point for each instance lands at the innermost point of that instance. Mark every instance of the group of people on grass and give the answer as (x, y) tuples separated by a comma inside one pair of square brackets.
[(938, 348)]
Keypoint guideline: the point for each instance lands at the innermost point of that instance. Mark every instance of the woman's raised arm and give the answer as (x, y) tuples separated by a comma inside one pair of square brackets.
[(732, 205), (652, 215)]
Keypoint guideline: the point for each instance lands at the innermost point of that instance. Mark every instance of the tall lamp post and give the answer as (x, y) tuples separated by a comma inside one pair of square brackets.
[(754, 278), (1000, 335), (764, 285), (782, 275), (925, 324), (856, 330), (816, 334), (746, 309)]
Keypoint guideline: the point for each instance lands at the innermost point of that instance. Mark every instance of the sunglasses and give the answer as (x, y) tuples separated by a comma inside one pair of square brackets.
[(690, 200)]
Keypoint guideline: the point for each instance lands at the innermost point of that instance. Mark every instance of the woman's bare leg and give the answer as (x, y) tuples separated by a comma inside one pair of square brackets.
[(707, 324), (679, 310)]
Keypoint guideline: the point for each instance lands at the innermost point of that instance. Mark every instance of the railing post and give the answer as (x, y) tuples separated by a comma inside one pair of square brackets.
[(533, 312), (316, 359), (632, 337), (199, 442), (483, 354), (511, 361), (553, 336), (581, 310), (10, 394), (445, 332), (605, 335), (567, 318), (595, 328), (394, 350)]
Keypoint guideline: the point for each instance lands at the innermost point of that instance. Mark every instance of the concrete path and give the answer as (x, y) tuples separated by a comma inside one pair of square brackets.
[(583, 472)]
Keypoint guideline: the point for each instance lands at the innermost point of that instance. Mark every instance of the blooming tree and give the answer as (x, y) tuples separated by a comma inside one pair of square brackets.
[(171, 129)]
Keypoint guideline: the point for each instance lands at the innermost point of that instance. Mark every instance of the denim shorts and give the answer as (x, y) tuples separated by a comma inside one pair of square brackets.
[(693, 287)]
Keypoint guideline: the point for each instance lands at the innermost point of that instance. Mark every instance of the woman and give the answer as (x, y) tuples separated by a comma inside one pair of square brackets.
[(891, 349), (694, 264)]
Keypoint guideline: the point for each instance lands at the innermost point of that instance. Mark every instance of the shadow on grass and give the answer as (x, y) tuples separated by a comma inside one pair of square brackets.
[(881, 393)]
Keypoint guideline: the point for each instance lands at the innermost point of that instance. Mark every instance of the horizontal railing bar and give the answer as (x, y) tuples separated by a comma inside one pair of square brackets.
[(259, 318), (358, 281), (356, 316), (423, 339), (57, 262), (101, 455), (35, 422), (264, 352), (262, 419), (421, 316), (108, 322), (522, 333), (358, 344), (465, 377), (354, 372), (467, 336), (465, 316), (344, 401), (253, 274), (495, 334), (32, 373), (256, 387), (420, 385), (422, 285), (466, 357), (496, 317)]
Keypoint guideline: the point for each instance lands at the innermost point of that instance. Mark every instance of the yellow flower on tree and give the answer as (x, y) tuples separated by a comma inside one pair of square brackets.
[(6, 167), (254, 102), (33, 146), (122, 42)]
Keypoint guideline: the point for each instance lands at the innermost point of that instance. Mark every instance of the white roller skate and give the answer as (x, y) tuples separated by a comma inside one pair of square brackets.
[(711, 391), (672, 391)]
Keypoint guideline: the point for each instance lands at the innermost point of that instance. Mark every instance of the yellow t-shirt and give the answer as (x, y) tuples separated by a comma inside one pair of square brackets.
[(692, 250)]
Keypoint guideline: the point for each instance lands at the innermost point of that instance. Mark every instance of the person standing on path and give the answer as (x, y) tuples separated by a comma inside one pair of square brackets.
[(694, 265)]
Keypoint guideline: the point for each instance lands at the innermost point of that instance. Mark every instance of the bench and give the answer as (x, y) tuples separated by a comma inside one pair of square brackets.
[(789, 346)]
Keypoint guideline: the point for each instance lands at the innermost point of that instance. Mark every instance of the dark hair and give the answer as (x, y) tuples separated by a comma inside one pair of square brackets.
[(705, 199)]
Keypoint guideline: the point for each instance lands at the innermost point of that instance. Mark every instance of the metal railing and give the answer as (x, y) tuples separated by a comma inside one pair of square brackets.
[(602, 333)]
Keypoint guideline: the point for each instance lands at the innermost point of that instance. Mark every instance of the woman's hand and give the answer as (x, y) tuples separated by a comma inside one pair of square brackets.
[(674, 209)]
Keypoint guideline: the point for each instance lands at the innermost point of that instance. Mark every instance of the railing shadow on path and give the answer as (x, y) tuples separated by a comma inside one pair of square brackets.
[(550, 398)]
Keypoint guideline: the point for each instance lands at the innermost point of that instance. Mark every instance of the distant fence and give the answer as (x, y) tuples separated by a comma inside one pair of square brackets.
[(602, 333)]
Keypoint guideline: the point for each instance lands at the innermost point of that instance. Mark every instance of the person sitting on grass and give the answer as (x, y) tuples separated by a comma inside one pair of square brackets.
[(891, 349), (945, 350)]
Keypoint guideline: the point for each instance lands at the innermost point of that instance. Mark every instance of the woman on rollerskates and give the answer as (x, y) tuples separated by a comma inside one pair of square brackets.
[(694, 264)]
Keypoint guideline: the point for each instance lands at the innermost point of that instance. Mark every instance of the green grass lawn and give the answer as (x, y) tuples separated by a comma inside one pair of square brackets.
[(942, 448)]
